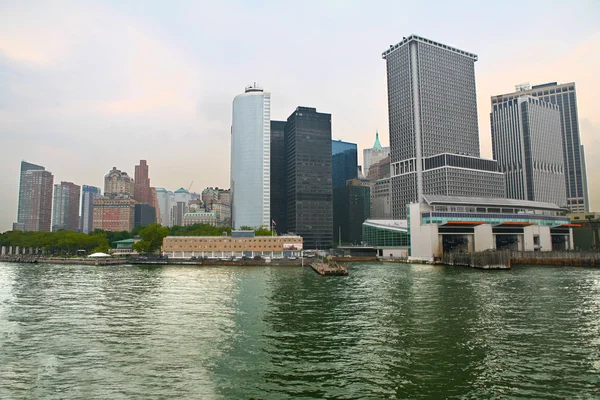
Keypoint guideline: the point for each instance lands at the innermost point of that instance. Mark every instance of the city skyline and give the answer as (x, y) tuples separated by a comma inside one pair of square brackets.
[(53, 114)]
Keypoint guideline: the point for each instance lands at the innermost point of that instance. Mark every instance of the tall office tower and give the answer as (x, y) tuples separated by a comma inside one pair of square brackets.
[(351, 207), (142, 183), (374, 155), (251, 158), (166, 201), (278, 184), (88, 194), (118, 183), (565, 96), (34, 211), (434, 137), (154, 203), (65, 208), (344, 162), (308, 176), (527, 143)]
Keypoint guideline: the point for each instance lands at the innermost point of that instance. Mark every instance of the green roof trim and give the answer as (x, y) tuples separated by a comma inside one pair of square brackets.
[(377, 145), (124, 241)]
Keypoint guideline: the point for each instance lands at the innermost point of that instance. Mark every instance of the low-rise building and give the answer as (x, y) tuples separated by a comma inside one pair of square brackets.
[(239, 244), (200, 217)]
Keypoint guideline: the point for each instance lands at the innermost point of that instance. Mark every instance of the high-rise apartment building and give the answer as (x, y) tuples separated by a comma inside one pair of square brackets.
[(142, 192), (278, 184), (65, 207), (565, 97), (309, 202), (251, 158), (34, 211), (344, 162), (88, 194), (527, 143), (118, 183), (434, 137), (113, 214), (374, 155)]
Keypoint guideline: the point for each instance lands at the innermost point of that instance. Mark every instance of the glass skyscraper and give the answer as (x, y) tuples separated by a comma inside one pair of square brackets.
[(565, 96), (251, 159), (434, 137), (88, 194), (278, 187), (344, 161)]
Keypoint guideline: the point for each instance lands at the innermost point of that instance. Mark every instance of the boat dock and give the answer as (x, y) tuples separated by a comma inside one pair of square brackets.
[(330, 269)]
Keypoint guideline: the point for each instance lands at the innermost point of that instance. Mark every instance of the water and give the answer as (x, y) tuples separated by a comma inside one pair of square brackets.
[(387, 331)]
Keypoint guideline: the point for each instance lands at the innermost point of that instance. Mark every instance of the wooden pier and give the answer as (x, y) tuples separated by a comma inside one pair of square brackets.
[(480, 260), (330, 269)]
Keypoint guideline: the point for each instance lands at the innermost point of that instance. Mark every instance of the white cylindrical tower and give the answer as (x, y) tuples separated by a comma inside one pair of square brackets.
[(251, 158)]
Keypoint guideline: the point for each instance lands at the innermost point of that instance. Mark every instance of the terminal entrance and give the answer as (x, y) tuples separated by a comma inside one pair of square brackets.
[(455, 243), (507, 242)]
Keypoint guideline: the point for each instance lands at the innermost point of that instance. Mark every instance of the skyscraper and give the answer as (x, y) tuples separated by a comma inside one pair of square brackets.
[(308, 176), (565, 96), (434, 136), (374, 155), (88, 194), (251, 158), (278, 184), (35, 198), (344, 162), (527, 143), (142, 183), (118, 183), (65, 207)]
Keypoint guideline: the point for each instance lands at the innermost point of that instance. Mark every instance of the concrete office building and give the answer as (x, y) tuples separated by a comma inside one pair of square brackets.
[(34, 211), (381, 207), (527, 143), (65, 207), (308, 176), (434, 138), (251, 158), (166, 200), (278, 182), (118, 183), (344, 162), (142, 191), (565, 97), (88, 194), (374, 155)]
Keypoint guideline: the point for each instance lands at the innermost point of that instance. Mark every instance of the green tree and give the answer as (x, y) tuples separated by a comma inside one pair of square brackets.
[(152, 238)]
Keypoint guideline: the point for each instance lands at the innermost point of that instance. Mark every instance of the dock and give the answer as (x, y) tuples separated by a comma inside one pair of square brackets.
[(329, 269), (480, 260)]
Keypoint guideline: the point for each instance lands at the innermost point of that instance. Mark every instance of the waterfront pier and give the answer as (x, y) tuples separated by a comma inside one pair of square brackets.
[(329, 269)]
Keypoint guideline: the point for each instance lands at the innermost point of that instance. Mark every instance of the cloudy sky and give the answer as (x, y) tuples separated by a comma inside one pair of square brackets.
[(88, 85)]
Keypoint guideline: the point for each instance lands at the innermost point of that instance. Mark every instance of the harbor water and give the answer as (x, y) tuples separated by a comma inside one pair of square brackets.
[(386, 331)]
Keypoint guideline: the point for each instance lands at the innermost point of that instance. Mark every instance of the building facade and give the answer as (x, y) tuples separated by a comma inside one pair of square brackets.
[(65, 207), (200, 217), (344, 162), (88, 194), (251, 158), (142, 191), (527, 143), (278, 182), (565, 97), (113, 214), (118, 183), (309, 202), (144, 215), (381, 195), (34, 211), (434, 138), (374, 155), (351, 207), (166, 201)]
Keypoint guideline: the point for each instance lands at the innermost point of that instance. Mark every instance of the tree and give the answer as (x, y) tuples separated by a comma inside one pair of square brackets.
[(152, 238)]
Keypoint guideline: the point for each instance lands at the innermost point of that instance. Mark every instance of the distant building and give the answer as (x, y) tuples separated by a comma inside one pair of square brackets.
[(308, 176), (144, 215), (351, 207), (114, 214), (527, 143), (434, 133), (88, 194), (381, 207), (35, 199), (278, 182), (154, 203), (374, 155), (118, 183), (166, 201), (380, 169), (565, 97), (250, 158), (142, 191), (65, 207), (344, 162), (200, 217)]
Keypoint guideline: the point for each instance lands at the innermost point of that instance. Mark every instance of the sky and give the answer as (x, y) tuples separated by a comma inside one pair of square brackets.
[(88, 85)]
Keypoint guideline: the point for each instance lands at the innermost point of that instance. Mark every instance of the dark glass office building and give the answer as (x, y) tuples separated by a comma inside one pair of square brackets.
[(344, 160), (278, 186), (307, 142), (144, 215), (351, 207)]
